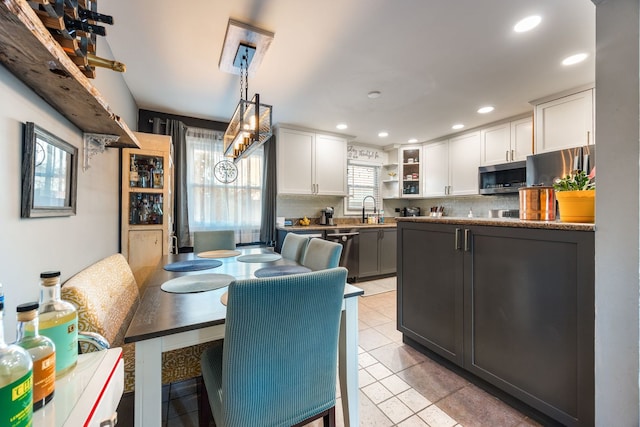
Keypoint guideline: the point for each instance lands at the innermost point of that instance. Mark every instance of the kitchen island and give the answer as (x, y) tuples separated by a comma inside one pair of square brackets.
[(510, 302)]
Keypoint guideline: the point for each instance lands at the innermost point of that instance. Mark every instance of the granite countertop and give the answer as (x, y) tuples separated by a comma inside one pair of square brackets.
[(316, 227), (502, 222)]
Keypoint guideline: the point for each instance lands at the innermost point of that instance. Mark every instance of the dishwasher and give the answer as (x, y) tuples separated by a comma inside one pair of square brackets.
[(350, 241)]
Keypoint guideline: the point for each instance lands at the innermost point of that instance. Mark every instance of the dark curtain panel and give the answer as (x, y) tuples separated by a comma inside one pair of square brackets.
[(178, 132), (268, 224)]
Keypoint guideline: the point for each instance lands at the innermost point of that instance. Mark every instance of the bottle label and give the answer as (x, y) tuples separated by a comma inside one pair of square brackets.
[(65, 337), (44, 377), (16, 404)]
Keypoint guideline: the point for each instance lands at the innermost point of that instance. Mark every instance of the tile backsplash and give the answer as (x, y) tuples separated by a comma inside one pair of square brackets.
[(458, 206)]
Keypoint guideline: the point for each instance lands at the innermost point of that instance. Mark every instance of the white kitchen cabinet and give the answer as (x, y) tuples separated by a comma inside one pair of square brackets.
[(565, 122), (311, 163), (410, 171), (451, 167), (436, 169), (506, 142), (464, 160)]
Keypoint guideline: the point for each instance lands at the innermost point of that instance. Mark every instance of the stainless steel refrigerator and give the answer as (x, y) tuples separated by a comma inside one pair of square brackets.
[(545, 168)]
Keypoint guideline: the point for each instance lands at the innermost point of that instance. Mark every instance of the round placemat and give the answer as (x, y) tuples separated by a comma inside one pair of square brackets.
[(281, 270), (197, 283), (220, 253), (193, 265), (259, 257)]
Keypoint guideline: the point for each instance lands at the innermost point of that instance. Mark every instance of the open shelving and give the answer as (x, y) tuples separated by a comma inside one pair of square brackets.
[(28, 50)]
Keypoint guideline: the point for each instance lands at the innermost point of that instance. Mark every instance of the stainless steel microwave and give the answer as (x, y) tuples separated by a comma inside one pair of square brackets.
[(503, 178)]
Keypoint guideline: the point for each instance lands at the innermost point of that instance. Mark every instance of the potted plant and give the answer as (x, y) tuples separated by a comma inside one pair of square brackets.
[(576, 196)]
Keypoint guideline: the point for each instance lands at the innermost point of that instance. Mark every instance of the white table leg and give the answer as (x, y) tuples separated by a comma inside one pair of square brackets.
[(148, 391), (348, 362)]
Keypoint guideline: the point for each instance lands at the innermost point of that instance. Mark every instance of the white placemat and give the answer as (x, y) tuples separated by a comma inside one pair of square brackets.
[(196, 283), (220, 253), (259, 257)]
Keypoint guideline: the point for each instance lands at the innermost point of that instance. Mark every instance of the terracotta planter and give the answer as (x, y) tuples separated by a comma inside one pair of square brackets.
[(576, 206)]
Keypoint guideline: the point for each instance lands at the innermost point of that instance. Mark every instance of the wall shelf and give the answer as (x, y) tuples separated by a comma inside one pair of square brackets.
[(28, 50)]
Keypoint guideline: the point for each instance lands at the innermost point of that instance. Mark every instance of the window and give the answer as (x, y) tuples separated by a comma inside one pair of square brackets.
[(363, 179), (216, 205)]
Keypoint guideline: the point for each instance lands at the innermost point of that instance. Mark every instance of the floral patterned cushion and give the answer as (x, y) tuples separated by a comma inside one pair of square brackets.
[(106, 296)]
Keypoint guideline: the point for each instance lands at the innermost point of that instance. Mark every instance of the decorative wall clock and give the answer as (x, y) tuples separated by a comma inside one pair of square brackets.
[(225, 171)]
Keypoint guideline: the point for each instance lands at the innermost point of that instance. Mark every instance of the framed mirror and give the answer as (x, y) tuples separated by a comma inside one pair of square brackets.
[(49, 174)]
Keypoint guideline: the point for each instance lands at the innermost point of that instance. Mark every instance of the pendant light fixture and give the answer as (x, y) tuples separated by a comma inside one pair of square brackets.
[(250, 126)]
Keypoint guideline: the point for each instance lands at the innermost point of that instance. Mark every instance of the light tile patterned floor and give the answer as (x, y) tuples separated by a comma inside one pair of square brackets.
[(399, 386)]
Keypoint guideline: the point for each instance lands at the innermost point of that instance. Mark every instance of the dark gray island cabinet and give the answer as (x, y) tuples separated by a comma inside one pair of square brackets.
[(512, 305)]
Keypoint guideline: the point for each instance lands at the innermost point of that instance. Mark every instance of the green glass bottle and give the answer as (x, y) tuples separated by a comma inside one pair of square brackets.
[(16, 382)]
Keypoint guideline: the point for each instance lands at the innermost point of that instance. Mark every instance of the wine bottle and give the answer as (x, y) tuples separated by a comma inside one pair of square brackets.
[(96, 61), (94, 16), (72, 25)]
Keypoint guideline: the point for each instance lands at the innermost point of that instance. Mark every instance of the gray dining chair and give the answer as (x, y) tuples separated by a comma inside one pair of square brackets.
[(321, 254), (294, 246), (213, 240), (277, 365)]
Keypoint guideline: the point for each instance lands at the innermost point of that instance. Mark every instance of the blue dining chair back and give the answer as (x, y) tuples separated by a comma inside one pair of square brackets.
[(321, 254), (293, 246), (213, 240), (277, 365)]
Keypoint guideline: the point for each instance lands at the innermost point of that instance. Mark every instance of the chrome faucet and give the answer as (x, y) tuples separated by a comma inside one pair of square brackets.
[(374, 207)]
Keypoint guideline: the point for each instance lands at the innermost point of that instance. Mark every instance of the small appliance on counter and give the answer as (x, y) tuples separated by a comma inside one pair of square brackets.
[(326, 216), (411, 211)]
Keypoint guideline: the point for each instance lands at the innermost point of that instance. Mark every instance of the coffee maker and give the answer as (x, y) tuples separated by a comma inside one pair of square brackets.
[(326, 216)]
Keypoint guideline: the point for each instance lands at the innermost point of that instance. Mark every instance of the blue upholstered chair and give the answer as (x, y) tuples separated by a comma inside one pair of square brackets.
[(213, 240), (322, 254), (294, 246), (277, 365)]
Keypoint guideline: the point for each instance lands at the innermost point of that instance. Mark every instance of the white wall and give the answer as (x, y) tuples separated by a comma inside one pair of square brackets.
[(617, 221), (68, 244)]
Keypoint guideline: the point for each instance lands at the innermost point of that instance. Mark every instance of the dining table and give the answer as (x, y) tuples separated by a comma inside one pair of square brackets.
[(167, 321)]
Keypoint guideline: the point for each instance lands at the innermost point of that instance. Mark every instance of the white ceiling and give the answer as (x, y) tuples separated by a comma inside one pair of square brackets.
[(435, 61)]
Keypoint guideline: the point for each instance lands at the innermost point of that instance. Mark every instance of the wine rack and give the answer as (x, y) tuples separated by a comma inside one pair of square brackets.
[(75, 25), (30, 52)]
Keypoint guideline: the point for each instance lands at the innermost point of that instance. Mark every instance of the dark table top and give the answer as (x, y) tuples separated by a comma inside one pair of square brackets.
[(162, 313)]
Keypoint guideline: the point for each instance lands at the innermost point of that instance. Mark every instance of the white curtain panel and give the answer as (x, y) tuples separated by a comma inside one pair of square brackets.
[(215, 205)]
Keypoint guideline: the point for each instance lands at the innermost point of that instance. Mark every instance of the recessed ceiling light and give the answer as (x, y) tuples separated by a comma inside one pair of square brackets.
[(383, 134), (574, 59), (412, 141), (485, 110), (457, 126), (526, 24), (374, 94), (342, 126)]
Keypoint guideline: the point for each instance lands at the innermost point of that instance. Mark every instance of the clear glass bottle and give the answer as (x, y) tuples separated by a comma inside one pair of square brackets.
[(16, 382), (42, 352), (133, 172), (158, 174), (58, 321)]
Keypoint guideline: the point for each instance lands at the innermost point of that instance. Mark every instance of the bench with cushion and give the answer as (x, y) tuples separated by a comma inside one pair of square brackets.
[(106, 296)]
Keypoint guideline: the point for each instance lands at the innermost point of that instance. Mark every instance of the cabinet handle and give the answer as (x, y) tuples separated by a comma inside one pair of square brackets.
[(456, 242), (467, 240), (588, 137), (512, 155), (506, 155)]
